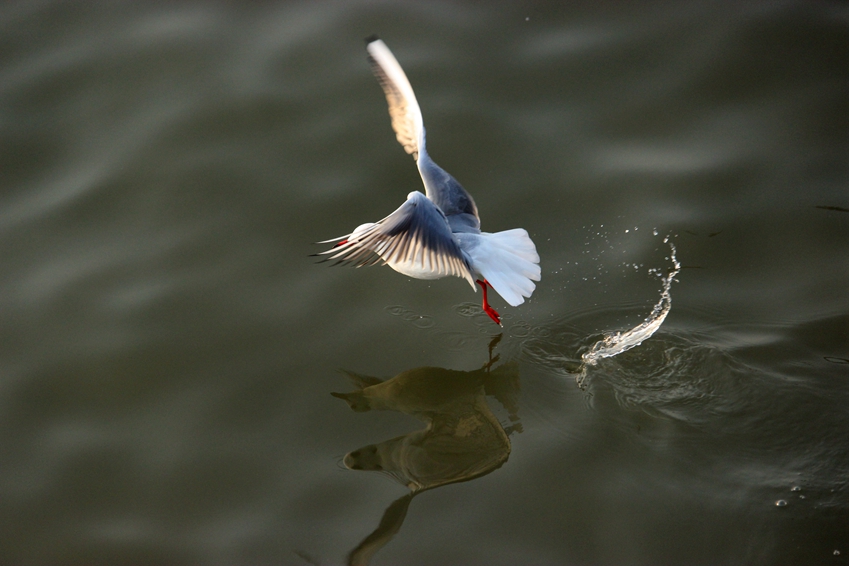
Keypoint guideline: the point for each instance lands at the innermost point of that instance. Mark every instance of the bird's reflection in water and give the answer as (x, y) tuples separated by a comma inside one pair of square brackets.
[(462, 439)]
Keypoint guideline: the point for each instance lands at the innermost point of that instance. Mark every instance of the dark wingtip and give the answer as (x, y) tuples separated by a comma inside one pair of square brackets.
[(372, 38)]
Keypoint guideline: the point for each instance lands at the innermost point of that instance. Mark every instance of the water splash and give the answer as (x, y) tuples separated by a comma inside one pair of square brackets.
[(618, 342)]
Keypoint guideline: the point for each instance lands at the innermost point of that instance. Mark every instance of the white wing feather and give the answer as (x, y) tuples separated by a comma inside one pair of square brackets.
[(403, 107)]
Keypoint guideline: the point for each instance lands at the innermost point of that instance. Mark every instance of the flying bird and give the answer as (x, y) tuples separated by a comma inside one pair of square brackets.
[(436, 234)]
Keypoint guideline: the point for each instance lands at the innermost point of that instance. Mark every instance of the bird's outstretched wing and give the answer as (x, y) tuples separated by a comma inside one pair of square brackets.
[(415, 240), (403, 107)]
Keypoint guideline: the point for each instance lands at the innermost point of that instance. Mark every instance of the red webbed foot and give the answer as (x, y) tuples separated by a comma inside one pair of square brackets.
[(493, 314)]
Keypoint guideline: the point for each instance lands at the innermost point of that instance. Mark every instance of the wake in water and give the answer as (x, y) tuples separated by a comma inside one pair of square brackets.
[(618, 342)]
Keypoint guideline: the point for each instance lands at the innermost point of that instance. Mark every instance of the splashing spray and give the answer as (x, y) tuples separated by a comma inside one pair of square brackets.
[(618, 342)]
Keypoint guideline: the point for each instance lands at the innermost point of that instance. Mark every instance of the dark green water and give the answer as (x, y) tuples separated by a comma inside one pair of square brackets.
[(168, 347)]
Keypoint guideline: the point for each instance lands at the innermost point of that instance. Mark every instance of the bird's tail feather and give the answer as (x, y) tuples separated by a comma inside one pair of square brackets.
[(509, 262)]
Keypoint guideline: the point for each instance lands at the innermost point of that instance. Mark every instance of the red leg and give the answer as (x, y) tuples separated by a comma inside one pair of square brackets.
[(493, 314)]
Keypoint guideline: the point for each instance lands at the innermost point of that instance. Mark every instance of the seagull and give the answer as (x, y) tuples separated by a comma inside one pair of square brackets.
[(436, 234)]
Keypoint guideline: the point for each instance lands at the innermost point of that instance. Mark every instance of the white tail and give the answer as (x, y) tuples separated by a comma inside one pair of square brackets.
[(508, 261)]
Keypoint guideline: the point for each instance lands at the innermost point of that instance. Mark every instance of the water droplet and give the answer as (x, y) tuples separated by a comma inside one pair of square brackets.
[(780, 503), (837, 553), (795, 488), (801, 497)]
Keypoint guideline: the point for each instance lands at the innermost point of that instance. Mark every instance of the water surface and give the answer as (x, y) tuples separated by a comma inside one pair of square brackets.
[(169, 348)]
